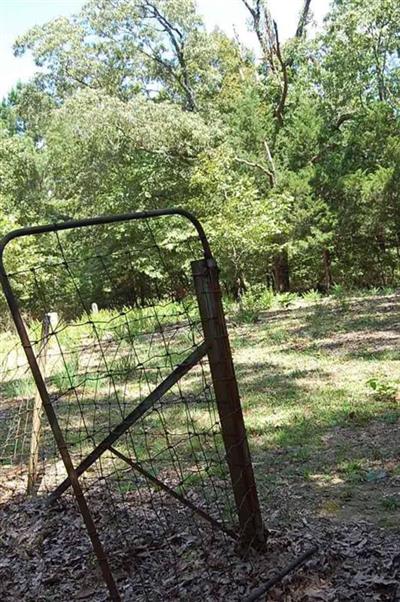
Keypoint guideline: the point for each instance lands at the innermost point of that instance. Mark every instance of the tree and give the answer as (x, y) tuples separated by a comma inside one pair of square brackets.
[(157, 48), (291, 161), (358, 105)]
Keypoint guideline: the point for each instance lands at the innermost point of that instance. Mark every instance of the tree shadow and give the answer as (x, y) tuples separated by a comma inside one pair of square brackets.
[(363, 329)]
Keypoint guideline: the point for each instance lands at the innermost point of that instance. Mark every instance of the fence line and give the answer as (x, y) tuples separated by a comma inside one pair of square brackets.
[(141, 400)]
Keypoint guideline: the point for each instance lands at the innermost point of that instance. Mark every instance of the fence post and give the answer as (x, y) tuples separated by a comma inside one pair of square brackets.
[(37, 407), (208, 292)]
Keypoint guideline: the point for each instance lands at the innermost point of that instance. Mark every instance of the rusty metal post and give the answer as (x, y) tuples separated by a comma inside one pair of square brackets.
[(58, 436), (38, 408), (208, 292)]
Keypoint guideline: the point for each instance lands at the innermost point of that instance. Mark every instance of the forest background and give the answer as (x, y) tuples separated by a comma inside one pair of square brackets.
[(289, 157)]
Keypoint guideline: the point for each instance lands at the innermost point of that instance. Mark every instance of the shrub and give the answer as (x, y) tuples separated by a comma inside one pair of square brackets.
[(339, 294), (255, 300), (286, 299), (312, 296)]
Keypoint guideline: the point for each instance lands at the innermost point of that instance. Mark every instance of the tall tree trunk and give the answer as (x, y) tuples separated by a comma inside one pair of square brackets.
[(281, 272), (239, 287), (382, 247), (328, 269)]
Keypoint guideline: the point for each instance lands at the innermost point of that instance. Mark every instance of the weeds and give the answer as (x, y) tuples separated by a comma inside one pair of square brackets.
[(19, 388), (312, 296), (390, 504), (340, 296), (286, 299), (384, 390), (253, 302)]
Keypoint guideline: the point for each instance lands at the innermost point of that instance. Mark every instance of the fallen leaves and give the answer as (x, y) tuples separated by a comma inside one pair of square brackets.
[(160, 552)]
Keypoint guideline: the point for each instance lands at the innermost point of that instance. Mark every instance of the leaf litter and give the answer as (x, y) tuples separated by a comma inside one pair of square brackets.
[(45, 555)]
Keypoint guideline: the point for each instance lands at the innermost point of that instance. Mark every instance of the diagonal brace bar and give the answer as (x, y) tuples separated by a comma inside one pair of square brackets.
[(173, 493), (134, 416)]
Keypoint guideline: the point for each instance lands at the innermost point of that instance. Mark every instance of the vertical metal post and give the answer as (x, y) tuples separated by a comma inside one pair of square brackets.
[(208, 292), (38, 408)]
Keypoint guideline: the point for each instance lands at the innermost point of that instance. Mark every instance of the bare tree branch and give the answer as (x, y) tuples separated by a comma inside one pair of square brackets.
[(282, 101), (265, 171), (262, 24), (271, 162), (303, 20), (162, 19), (267, 33), (177, 40), (251, 9), (343, 118), (332, 146)]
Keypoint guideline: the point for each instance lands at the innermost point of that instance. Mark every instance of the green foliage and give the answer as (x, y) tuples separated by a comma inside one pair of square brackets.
[(291, 161), (312, 296), (286, 299), (340, 296), (68, 376), (253, 302), (19, 388), (390, 503), (127, 323), (384, 390)]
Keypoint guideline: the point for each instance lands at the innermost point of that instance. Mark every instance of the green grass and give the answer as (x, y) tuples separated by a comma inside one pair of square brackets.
[(319, 383), (18, 388), (320, 389), (390, 504)]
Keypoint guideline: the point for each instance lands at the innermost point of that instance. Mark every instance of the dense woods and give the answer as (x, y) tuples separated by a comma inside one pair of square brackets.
[(289, 158)]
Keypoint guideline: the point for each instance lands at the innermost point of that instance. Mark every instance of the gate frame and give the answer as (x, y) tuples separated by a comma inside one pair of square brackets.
[(216, 345)]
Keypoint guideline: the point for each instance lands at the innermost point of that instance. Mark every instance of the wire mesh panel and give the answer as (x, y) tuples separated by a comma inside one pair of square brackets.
[(120, 358)]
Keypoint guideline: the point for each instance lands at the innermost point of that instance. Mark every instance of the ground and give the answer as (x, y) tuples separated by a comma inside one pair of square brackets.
[(320, 392), (319, 382)]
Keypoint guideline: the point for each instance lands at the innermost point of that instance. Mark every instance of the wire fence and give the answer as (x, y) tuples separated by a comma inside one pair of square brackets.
[(123, 452), (124, 410)]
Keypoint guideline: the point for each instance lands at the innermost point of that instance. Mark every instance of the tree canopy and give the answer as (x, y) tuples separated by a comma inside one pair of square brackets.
[(290, 159)]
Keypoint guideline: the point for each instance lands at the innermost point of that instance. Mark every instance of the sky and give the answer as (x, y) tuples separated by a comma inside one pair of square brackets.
[(17, 16)]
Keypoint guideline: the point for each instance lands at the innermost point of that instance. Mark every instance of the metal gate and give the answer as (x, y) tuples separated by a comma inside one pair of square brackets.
[(134, 373)]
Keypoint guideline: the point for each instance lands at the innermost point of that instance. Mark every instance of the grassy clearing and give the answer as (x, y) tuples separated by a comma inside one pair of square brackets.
[(320, 386), (319, 380)]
